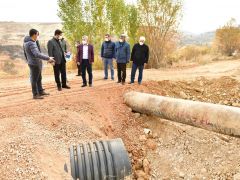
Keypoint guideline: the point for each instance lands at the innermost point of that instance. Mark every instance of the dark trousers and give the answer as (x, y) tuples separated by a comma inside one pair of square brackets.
[(60, 69), (36, 79), (121, 68), (134, 70), (86, 66), (79, 69)]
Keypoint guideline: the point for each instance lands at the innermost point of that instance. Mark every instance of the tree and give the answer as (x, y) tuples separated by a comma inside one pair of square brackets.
[(227, 38), (159, 23), (156, 19)]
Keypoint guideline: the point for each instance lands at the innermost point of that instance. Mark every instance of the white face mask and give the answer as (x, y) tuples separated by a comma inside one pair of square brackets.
[(141, 43), (84, 42), (106, 39), (60, 37), (120, 40), (38, 38)]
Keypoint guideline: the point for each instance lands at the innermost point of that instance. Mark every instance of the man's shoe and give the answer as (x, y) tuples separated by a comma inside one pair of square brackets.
[(123, 83), (59, 89), (78, 75), (44, 94), (105, 78), (130, 83), (119, 82), (84, 85), (38, 97), (66, 87), (90, 85)]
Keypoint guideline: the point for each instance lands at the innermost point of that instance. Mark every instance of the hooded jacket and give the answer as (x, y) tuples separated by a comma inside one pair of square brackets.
[(32, 52)]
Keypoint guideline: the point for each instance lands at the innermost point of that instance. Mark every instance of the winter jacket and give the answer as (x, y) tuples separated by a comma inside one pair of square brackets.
[(55, 50), (122, 52), (140, 54), (108, 50), (32, 53), (90, 53)]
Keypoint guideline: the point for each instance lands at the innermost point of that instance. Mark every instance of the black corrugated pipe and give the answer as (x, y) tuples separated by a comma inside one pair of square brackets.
[(101, 160)]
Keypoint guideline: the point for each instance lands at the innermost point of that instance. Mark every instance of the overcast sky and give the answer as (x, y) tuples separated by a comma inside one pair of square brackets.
[(199, 15)]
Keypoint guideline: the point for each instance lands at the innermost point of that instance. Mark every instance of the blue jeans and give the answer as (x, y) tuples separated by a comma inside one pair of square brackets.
[(133, 73), (108, 62)]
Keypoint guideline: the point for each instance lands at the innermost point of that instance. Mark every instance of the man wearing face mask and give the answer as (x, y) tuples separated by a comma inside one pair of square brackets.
[(85, 58), (55, 49), (139, 56), (107, 54), (34, 59), (122, 52)]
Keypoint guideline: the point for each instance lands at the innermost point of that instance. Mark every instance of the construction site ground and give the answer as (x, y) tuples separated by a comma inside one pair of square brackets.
[(35, 135)]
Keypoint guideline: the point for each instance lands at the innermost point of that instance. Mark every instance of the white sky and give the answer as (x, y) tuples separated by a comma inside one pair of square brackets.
[(199, 15)]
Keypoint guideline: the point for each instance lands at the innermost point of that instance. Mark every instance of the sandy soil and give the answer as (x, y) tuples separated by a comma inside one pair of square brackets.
[(36, 135)]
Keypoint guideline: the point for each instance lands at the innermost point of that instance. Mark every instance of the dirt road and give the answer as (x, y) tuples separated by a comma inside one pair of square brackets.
[(35, 135)]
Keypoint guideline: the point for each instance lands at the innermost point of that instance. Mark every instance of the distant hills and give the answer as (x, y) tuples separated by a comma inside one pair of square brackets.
[(197, 39), (12, 33)]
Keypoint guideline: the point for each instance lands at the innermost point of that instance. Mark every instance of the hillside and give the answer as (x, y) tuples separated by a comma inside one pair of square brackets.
[(12, 33), (197, 39)]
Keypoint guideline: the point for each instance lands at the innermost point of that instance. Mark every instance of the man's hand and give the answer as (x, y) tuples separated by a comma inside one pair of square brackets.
[(51, 61), (78, 63)]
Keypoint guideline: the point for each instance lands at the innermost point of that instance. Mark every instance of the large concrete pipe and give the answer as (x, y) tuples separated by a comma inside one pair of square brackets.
[(101, 160), (218, 118)]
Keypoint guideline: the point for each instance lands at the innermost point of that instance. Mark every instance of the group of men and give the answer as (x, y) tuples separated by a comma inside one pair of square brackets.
[(110, 51), (57, 50)]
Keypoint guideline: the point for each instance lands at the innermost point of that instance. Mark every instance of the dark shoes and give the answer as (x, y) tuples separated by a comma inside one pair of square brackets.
[(66, 87), (37, 97), (59, 89), (123, 83), (90, 85), (44, 94), (78, 75), (84, 85)]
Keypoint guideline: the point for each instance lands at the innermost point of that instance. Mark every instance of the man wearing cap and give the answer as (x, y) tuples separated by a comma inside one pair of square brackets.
[(122, 52), (139, 56)]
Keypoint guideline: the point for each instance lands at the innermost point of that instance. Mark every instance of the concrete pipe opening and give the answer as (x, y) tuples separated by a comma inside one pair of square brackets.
[(100, 160)]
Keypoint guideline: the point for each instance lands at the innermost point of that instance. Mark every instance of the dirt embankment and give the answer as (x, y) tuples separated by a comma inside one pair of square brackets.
[(36, 134)]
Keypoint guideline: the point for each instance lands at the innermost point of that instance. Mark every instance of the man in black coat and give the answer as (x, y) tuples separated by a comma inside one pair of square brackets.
[(55, 50), (139, 56)]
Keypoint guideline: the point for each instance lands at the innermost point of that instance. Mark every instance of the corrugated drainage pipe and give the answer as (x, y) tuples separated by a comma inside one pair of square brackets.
[(100, 160)]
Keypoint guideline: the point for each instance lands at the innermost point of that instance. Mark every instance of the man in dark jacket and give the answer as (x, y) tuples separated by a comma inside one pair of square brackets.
[(55, 50), (85, 58), (139, 56), (122, 52), (34, 59), (107, 54)]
